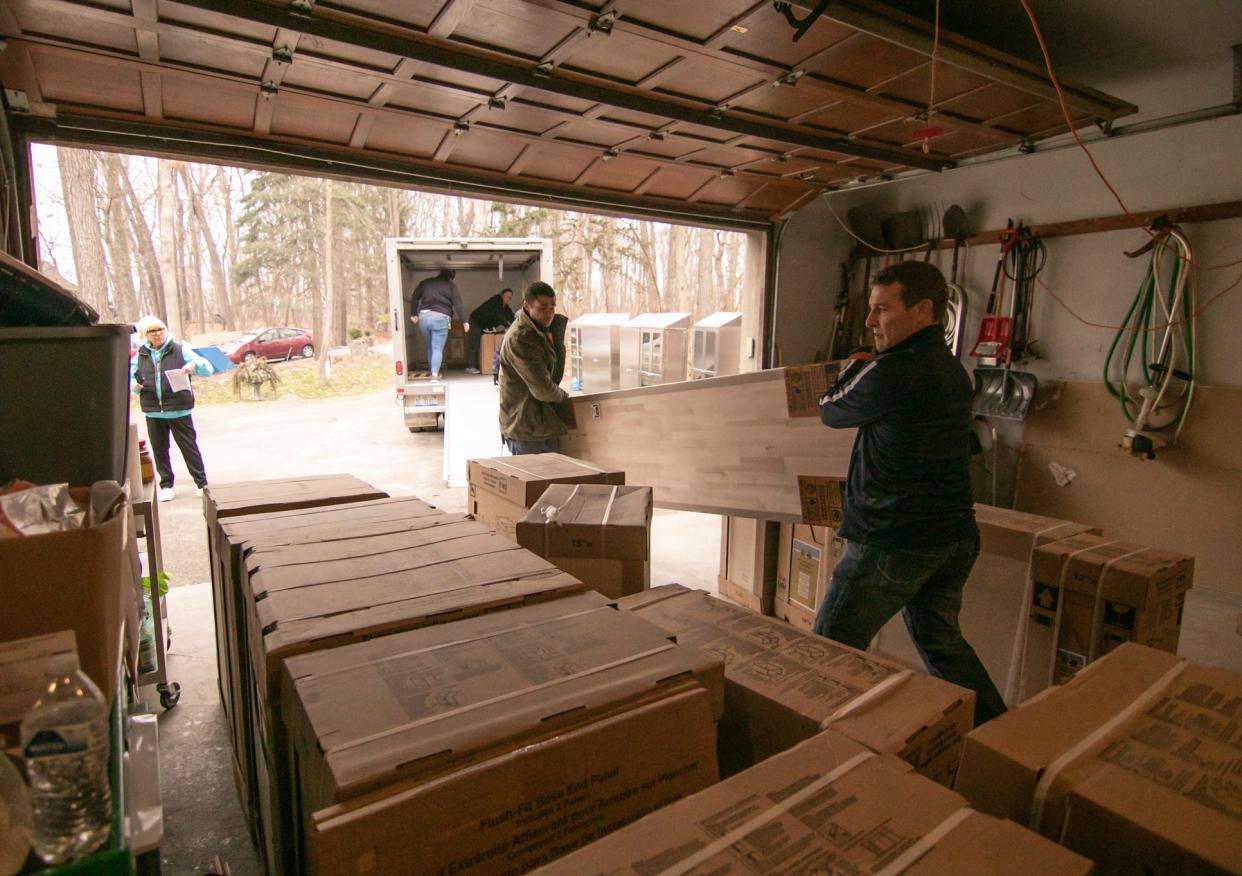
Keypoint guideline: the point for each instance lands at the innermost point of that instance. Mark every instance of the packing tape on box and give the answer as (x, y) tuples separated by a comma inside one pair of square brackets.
[(1054, 769), (1096, 615), (1017, 662), (1018, 657), (926, 843), (551, 517), (470, 707), (710, 850), (867, 697)]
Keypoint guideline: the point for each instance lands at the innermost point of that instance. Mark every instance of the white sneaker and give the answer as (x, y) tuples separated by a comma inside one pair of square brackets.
[(435, 376), (198, 491), (473, 371), (166, 494)]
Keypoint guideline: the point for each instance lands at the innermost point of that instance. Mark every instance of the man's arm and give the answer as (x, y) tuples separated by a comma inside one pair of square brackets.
[(532, 373), (862, 394)]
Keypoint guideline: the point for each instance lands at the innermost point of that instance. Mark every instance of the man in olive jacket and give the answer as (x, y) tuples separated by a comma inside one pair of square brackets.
[(529, 397)]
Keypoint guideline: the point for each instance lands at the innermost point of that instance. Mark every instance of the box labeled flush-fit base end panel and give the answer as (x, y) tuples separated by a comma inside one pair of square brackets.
[(783, 686), (826, 806), (507, 739), (528, 806), (806, 558), (1132, 762)]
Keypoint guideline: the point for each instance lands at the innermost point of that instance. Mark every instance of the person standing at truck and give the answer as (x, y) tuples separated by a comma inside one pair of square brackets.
[(529, 397), (432, 305), (492, 315)]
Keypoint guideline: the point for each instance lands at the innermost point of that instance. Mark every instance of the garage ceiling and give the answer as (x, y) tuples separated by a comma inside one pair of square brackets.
[(707, 111)]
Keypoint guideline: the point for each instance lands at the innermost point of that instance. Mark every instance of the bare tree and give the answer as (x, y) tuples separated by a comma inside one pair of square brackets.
[(116, 223), (329, 284), (218, 283), (77, 180), (167, 200), (150, 279)]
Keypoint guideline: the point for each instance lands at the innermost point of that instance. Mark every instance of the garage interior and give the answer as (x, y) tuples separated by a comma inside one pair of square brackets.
[(838, 152)]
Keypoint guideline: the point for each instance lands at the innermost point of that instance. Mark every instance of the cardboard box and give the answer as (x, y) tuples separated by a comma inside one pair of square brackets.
[(340, 590), (221, 501), (826, 806), (599, 534), (270, 530), (994, 597), (822, 500), (493, 744), (1093, 594), (503, 488), (77, 580), (783, 686), (806, 557), (748, 551), (1135, 759)]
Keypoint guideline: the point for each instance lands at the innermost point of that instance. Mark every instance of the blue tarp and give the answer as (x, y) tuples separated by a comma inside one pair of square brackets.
[(216, 357)]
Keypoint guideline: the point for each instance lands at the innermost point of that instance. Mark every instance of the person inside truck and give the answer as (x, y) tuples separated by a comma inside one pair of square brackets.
[(529, 397), (909, 512), (492, 315), (432, 305)]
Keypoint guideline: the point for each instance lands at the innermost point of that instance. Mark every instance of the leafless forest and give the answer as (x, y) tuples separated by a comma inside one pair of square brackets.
[(210, 248)]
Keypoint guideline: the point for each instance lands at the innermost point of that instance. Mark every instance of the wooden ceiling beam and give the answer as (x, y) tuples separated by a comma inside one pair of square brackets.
[(451, 14), (344, 28)]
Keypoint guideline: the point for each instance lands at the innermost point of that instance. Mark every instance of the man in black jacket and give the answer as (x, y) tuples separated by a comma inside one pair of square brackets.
[(492, 314), (909, 514)]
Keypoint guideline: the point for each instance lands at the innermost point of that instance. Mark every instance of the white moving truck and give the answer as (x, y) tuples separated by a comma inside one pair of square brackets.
[(483, 267)]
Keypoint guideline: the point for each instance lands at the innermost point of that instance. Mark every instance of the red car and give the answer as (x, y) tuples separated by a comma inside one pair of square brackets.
[(272, 344)]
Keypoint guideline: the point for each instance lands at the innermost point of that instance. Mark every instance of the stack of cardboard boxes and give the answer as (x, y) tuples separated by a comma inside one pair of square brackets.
[(503, 489)]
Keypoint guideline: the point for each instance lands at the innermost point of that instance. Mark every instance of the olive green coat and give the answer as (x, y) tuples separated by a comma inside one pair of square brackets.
[(528, 397)]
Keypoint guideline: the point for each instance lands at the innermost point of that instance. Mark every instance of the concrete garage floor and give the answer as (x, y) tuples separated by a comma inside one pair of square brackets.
[(360, 435), (364, 436)]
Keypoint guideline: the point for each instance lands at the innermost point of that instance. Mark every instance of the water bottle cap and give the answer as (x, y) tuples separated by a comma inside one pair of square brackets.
[(64, 663)]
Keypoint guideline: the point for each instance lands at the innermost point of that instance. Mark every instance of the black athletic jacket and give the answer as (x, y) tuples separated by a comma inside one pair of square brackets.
[(909, 476)]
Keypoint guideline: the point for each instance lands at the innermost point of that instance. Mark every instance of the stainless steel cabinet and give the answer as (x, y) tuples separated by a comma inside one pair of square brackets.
[(717, 341), (595, 351), (653, 349)]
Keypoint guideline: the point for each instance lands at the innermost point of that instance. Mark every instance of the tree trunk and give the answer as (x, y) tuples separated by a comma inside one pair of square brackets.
[(77, 180), (187, 249), (704, 297), (166, 195), (329, 330), (116, 221), (233, 315), (149, 278), (219, 284), (675, 284)]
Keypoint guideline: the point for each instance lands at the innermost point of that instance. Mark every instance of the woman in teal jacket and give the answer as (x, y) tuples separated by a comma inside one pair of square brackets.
[(166, 408)]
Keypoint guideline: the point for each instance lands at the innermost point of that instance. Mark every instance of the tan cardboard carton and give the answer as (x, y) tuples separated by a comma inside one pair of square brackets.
[(496, 743), (337, 589), (502, 488), (996, 594), (272, 531), (599, 534), (1091, 594), (72, 580), (826, 806), (748, 554), (783, 686), (1133, 762), (228, 500), (805, 560)]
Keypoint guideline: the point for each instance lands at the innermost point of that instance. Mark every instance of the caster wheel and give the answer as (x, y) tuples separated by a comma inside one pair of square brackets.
[(169, 693)]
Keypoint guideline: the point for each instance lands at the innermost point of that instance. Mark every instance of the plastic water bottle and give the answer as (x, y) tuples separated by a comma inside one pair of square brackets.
[(65, 743)]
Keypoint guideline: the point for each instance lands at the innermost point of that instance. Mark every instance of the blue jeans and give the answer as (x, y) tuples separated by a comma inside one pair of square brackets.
[(871, 584), (546, 445), (435, 328)]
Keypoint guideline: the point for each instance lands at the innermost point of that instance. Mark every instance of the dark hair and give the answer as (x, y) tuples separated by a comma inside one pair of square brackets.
[(447, 273), (538, 289), (918, 280), (506, 289)]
